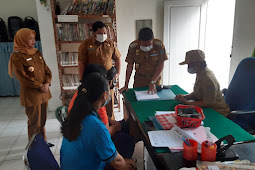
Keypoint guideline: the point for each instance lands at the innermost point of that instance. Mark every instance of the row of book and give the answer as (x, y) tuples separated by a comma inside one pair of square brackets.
[(79, 32), (68, 59), (70, 80), (90, 7)]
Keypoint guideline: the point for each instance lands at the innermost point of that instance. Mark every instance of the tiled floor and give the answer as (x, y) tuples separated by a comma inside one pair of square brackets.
[(13, 135)]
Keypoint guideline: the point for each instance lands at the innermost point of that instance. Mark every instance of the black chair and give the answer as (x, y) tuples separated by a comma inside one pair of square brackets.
[(240, 95)]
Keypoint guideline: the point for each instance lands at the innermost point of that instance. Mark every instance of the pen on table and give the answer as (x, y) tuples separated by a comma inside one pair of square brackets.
[(185, 141)]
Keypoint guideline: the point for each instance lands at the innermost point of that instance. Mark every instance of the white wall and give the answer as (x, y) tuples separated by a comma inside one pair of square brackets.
[(49, 52), (20, 8), (244, 33), (128, 11)]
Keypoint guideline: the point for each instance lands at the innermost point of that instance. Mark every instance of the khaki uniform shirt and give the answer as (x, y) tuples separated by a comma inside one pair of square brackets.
[(207, 89), (93, 52), (146, 63), (30, 81)]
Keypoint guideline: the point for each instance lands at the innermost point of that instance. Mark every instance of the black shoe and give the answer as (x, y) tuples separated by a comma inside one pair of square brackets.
[(50, 144)]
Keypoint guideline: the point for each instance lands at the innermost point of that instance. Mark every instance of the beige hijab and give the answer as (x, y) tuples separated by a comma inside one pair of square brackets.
[(21, 45)]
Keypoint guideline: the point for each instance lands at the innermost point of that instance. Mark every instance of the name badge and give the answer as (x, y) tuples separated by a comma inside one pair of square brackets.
[(29, 59), (154, 55)]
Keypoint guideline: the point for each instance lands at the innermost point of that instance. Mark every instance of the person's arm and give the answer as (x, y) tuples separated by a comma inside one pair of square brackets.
[(118, 67), (82, 58), (195, 103), (128, 75), (152, 87), (81, 68), (124, 164)]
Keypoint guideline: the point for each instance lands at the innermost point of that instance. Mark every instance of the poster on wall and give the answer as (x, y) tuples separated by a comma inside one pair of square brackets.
[(143, 23)]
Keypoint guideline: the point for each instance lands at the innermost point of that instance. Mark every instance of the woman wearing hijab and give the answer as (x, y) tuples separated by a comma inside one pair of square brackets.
[(34, 76)]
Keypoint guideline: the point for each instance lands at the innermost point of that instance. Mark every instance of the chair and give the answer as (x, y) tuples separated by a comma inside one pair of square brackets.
[(240, 95), (38, 155), (61, 113)]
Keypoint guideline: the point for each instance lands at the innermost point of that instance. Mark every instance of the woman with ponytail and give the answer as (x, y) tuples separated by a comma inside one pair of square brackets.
[(87, 143)]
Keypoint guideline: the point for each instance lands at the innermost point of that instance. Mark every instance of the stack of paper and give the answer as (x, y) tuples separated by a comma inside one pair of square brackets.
[(173, 138), (144, 96)]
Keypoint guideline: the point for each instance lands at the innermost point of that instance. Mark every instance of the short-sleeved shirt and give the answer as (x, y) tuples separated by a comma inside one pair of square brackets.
[(93, 52), (146, 63), (207, 89), (102, 111), (91, 150)]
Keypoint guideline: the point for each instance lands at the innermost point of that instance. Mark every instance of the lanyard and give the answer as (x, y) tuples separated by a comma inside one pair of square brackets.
[(97, 115)]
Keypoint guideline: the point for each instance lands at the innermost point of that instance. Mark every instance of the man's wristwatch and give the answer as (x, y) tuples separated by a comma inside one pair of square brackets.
[(153, 82)]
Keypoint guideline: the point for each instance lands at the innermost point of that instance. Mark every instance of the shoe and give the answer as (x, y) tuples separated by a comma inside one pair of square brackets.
[(50, 144)]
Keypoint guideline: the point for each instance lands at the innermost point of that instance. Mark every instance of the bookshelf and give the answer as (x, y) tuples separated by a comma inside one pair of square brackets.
[(70, 30)]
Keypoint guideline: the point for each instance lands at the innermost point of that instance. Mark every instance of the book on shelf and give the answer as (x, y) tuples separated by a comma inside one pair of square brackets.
[(80, 31), (90, 7), (70, 80), (69, 58)]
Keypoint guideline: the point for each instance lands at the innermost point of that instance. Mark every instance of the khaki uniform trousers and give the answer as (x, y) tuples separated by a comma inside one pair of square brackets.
[(37, 116)]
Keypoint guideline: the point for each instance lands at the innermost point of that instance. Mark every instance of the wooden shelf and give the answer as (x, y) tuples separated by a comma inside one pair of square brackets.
[(92, 16), (70, 88), (67, 66), (67, 42)]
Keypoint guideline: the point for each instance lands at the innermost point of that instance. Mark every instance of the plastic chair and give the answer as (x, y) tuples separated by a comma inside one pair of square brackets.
[(38, 155), (240, 95), (61, 113)]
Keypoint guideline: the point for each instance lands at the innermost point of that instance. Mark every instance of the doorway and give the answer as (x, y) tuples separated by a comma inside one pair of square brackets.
[(198, 24)]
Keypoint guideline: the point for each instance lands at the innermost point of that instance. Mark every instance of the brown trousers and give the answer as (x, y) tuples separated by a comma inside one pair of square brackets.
[(37, 116), (110, 106)]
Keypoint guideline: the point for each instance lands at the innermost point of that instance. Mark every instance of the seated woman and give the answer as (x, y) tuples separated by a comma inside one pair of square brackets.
[(87, 143), (206, 91)]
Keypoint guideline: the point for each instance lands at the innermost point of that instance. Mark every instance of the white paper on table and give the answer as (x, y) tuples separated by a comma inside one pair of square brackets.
[(164, 112), (143, 95)]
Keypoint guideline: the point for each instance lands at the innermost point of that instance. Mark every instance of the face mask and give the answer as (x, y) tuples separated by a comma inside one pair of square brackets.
[(101, 37), (107, 101), (146, 48), (191, 71)]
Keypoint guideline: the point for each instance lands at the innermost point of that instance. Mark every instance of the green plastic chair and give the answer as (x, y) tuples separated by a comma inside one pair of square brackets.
[(61, 113)]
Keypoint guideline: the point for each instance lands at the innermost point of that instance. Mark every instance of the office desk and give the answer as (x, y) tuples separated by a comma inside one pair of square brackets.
[(139, 111)]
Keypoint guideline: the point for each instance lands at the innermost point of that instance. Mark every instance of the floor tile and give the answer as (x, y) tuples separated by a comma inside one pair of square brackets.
[(57, 157), (16, 153), (12, 165), (4, 123), (11, 131), (52, 127), (3, 153), (57, 152), (21, 141), (24, 131), (6, 117), (52, 137), (17, 123), (7, 142)]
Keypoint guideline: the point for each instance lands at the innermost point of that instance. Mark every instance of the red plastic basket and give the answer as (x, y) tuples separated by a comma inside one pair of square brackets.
[(186, 121)]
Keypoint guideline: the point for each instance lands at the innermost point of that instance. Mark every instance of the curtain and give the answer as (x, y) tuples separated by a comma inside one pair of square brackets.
[(9, 86)]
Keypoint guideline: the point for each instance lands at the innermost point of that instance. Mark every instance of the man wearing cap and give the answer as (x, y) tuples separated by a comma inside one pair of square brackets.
[(148, 55), (207, 91)]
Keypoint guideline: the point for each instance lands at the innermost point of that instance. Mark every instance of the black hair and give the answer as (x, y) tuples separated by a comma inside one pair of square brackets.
[(94, 68), (145, 34), (92, 88), (97, 24)]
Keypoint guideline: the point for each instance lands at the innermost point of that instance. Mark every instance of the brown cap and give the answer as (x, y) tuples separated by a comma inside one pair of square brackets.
[(193, 56)]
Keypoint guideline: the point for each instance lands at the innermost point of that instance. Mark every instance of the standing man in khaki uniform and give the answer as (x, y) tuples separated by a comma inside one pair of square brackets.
[(100, 50), (207, 91), (34, 77), (148, 55)]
